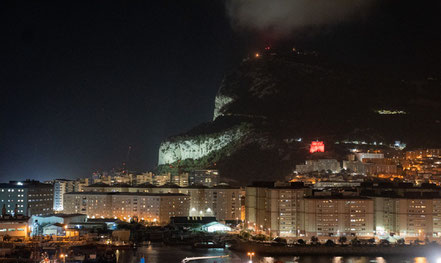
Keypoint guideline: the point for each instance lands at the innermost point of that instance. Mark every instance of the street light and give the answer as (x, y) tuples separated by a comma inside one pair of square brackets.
[(251, 255), (63, 256)]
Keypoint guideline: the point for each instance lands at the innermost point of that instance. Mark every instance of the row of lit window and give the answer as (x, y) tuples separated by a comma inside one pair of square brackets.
[(12, 190), (11, 229)]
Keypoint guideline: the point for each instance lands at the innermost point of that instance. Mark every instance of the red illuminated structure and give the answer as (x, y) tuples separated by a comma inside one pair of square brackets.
[(317, 146)]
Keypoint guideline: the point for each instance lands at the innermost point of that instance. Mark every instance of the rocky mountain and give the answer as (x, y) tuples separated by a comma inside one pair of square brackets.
[(272, 106)]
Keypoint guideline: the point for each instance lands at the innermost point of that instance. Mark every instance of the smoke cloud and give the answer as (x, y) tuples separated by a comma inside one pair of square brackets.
[(284, 16)]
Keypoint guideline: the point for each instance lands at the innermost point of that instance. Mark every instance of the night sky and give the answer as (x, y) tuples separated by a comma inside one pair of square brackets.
[(81, 82)]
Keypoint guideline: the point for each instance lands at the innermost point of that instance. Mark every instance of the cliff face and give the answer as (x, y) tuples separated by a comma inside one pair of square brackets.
[(197, 147), (267, 104), (220, 102)]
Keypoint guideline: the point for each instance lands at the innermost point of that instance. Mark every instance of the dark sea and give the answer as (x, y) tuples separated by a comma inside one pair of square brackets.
[(172, 254)]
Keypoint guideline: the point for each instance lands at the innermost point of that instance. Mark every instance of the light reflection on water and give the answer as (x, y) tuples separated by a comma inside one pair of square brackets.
[(165, 254)]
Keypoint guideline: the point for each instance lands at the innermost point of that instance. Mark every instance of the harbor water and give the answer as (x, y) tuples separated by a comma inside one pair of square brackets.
[(172, 254)]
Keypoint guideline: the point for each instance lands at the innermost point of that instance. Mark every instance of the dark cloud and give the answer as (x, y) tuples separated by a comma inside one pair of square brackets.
[(284, 16)]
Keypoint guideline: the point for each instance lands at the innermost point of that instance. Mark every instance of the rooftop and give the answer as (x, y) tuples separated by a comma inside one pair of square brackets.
[(125, 193), (61, 215), (24, 184), (192, 219), (340, 197)]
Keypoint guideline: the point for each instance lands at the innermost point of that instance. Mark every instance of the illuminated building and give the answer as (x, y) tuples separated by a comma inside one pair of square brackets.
[(376, 168), (283, 210), (222, 201), (58, 229), (334, 216), (59, 218), (287, 213), (155, 208), (423, 166), (15, 227), (317, 146), (375, 210), (336, 184), (181, 180), (102, 187), (28, 197), (423, 153), (274, 209), (144, 178), (162, 179), (215, 227), (408, 217), (80, 183), (362, 156), (318, 166), (207, 178), (37, 222), (61, 186), (355, 167), (224, 204), (371, 166)]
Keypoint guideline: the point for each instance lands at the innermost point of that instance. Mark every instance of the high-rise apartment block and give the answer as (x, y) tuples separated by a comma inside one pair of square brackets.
[(61, 186), (27, 198), (220, 201), (154, 208), (373, 211)]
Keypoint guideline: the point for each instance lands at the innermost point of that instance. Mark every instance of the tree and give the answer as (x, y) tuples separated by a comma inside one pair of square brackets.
[(384, 242), (342, 239), (280, 240), (314, 240), (301, 242), (260, 237), (355, 241), (329, 243), (244, 235)]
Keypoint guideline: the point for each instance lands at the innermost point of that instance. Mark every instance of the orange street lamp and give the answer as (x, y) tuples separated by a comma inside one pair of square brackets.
[(63, 256), (251, 255)]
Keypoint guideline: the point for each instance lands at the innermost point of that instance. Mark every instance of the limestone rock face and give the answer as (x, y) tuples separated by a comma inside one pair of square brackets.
[(197, 147), (220, 103), (269, 109)]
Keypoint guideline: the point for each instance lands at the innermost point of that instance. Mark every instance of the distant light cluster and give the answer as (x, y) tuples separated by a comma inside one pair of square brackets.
[(390, 112)]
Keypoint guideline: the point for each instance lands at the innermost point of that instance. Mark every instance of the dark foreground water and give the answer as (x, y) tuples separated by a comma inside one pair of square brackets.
[(164, 254)]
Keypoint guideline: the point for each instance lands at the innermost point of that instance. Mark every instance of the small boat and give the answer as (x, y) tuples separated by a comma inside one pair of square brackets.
[(208, 244)]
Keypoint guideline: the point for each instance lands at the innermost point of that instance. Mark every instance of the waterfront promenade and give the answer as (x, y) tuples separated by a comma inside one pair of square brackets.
[(338, 250)]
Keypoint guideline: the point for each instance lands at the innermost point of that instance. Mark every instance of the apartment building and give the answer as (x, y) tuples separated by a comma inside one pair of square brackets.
[(157, 208), (27, 198), (408, 216), (275, 209), (221, 201), (331, 216), (61, 186)]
